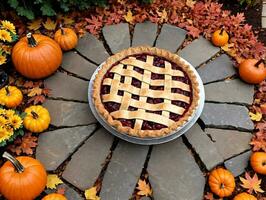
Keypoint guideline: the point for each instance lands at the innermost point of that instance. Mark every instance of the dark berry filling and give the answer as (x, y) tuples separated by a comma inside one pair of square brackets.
[(148, 125)]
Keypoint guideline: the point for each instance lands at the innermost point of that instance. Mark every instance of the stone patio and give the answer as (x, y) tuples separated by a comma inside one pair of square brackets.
[(176, 169)]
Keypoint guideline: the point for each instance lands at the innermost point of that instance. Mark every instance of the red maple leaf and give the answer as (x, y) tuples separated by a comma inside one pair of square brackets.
[(193, 31), (37, 99)]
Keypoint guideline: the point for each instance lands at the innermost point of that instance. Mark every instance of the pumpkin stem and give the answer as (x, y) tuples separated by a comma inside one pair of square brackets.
[(259, 62), (222, 31), (222, 186), (18, 166), (34, 114), (7, 91), (62, 29), (31, 40)]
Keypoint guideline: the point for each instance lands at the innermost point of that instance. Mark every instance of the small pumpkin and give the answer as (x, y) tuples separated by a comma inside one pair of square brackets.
[(66, 38), (10, 96), (36, 56), (252, 71), (221, 182), (244, 196), (54, 196), (258, 162), (22, 178), (220, 38), (37, 119)]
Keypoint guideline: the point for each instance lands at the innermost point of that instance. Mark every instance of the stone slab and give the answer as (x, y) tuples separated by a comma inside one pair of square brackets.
[(204, 147), (226, 116), (263, 22), (67, 87), (170, 38), (217, 69), (92, 48), (198, 52), (123, 171), (174, 174), (86, 164), (230, 91), (236, 142), (117, 36), (238, 164), (144, 34), (78, 65), (70, 193), (68, 113), (263, 10), (54, 147)]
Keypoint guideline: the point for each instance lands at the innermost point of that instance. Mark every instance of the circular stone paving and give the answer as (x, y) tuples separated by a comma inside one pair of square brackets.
[(79, 146)]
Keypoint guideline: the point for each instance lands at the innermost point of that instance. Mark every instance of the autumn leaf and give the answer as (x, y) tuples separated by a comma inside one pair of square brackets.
[(258, 144), (34, 91), (190, 3), (255, 116), (144, 188), (193, 31), (209, 196), (129, 17), (61, 190), (28, 84), (35, 25), (24, 144), (252, 184), (50, 25), (91, 194), (37, 99), (163, 16), (52, 181), (67, 20)]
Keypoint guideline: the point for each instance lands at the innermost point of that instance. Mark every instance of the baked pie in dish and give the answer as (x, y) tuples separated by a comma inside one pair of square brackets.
[(145, 92)]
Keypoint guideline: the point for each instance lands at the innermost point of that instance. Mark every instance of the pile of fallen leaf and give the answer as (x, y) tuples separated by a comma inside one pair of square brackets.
[(198, 18)]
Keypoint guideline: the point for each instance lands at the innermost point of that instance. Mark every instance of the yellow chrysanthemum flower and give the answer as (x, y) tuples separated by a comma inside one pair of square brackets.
[(9, 113), (15, 121), (2, 59), (3, 121), (2, 111), (5, 36), (9, 26), (4, 134)]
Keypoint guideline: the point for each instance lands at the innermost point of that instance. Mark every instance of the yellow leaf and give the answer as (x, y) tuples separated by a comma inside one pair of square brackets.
[(34, 91), (129, 17), (251, 183), (52, 181), (255, 116), (91, 194), (67, 20), (35, 25), (163, 16), (228, 47), (190, 3), (49, 24), (144, 188)]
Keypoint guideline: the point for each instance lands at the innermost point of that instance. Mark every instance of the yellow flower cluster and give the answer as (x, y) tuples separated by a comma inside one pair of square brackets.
[(7, 30), (9, 122)]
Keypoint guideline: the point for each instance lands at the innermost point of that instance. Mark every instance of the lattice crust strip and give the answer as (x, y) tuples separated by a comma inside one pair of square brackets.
[(144, 92)]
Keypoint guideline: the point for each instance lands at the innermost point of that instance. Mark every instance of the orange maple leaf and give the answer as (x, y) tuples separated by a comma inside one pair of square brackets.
[(144, 188), (252, 184), (35, 91), (50, 25)]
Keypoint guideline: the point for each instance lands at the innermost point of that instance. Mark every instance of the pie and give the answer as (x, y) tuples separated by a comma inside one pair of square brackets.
[(145, 92)]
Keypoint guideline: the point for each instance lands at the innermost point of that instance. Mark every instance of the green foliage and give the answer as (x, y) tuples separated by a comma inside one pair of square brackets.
[(248, 2), (33, 8)]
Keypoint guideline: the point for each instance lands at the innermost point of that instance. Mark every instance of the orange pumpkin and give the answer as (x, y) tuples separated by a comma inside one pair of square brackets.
[(54, 196), (252, 71), (10, 96), (22, 178), (36, 56), (221, 182), (220, 38), (66, 38), (258, 162), (244, 196)]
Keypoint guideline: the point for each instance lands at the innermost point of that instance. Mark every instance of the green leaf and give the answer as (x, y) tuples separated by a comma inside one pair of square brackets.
[(13, 3), (25, 12), (47, 10), (23, 115)]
